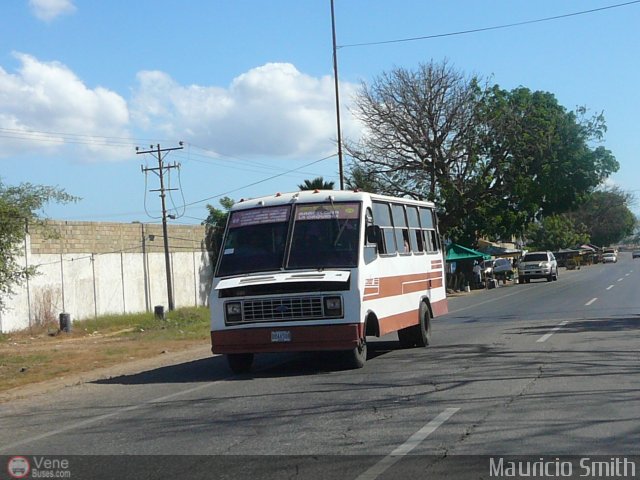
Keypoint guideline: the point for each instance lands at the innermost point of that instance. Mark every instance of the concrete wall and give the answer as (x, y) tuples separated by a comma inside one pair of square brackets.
[(89, 268)]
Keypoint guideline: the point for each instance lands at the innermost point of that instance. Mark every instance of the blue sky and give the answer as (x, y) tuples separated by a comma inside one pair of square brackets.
[(248, 86)]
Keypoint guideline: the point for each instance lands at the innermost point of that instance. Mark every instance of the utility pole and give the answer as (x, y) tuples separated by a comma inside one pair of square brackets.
[(160, 154), (335, 79)]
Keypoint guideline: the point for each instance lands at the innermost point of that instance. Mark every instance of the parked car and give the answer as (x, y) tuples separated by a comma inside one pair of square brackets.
[(537, 265), (609, 258), (636, 254), (496, 266)]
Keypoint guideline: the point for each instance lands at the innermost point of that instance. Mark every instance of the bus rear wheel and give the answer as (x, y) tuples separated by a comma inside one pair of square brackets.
[(417, 335), (240, 362)]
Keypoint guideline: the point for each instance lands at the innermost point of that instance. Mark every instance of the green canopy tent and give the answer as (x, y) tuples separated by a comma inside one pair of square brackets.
[(457, 256), (457, 253)]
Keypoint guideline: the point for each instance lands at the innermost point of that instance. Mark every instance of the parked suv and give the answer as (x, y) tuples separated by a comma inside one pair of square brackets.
[(537, 265)]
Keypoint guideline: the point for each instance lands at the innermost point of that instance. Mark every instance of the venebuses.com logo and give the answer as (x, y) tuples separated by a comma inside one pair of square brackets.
[(38, 467), (18, 467)]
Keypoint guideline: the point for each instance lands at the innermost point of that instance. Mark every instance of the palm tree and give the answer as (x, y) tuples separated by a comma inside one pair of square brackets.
[(317, 183)]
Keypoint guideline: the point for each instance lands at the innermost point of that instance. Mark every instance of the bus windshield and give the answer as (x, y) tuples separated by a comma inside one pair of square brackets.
[(325, 235), (255, 241)]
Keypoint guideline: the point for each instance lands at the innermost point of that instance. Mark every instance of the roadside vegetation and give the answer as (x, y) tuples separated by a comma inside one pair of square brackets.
[(43, 352), (498, 163), (19, 209)]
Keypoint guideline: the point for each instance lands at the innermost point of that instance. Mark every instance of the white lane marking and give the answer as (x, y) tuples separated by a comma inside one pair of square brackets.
[(620, 279), (546, 337), (590, 301), (413, 441), (627, 274), (610, 287)]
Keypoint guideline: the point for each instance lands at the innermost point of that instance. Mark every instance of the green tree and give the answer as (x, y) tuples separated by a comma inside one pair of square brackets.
[(317, 183), (607, 216), (215, 224), (493, 160), (555, 232), (20, 208), (359, 177), (539, 155)]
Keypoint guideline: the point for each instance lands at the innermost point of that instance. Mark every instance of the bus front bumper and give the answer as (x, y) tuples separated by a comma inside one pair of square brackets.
[(287, 339)]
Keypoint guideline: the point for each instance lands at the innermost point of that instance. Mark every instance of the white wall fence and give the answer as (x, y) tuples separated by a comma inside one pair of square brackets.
[(89, 285)]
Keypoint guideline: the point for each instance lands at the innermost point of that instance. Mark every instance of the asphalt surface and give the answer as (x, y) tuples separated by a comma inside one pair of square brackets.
[(541, 369)]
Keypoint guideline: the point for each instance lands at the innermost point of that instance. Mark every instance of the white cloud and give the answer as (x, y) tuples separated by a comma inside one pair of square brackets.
[(272, 110), (45, 106), (47, 10)]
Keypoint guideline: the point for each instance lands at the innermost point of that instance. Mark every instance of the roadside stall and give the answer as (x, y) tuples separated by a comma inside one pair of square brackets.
[(568, 258), (588, 255), (460, 264)]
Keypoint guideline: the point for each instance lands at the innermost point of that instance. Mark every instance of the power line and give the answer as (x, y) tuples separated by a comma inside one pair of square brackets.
[(485, 29), (259, 167), (93, 216), (259, 181), (71, 138)]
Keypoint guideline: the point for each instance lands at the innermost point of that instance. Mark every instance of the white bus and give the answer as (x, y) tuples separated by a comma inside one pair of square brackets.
[(321, 271)]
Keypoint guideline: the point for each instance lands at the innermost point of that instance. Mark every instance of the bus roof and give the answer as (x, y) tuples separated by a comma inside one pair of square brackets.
[(315, 196)]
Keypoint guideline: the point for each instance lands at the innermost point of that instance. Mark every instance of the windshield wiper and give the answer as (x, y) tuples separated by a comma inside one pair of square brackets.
[(335, 215)]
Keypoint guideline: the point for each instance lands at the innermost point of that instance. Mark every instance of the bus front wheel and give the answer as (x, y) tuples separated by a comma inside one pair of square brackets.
[(357, 357), (240, 362)]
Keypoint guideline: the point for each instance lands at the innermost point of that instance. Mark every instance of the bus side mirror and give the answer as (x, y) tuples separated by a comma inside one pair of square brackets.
[(373, 234)]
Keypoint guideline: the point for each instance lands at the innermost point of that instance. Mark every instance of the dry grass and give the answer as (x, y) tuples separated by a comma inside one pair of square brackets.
[(43, 353)]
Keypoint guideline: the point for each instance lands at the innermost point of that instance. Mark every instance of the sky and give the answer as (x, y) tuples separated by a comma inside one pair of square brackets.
[(248, 87)]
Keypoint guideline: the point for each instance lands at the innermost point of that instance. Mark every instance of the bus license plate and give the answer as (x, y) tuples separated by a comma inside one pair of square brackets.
[(280, 336)]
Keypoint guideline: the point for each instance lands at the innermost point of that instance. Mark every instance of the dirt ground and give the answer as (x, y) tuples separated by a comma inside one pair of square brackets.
[(36, 364)]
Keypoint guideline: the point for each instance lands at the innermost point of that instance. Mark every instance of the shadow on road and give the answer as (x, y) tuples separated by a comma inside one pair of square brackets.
[(265, 366), (587, 325)]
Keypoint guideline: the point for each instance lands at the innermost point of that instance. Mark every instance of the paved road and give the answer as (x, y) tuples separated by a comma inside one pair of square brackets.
[(535, 369)]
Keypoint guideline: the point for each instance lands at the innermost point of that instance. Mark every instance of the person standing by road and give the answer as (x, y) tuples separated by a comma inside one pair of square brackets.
[(477, 274)]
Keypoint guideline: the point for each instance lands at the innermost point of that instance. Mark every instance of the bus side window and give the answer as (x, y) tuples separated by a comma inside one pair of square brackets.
[(431, 240), (426, 236), (428, 229), (400, 229), (415, 234), (426, 218), (382, 218)]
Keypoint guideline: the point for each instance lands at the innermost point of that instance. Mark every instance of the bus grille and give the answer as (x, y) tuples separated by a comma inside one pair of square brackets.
[(289, 308)]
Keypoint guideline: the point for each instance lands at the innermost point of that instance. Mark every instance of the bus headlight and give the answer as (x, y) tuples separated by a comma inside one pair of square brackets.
[(333, 306), (233, 311)]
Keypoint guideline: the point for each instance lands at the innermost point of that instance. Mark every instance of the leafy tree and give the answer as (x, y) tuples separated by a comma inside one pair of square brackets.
[(317, 183), (493, 160), (539, 155), (19, 208), (607, 216), (359, 177), (418, 127), (634, 238), (555, 232), (215, 224)]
